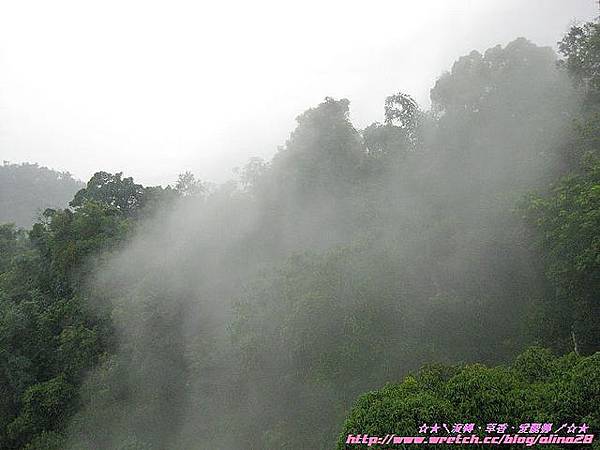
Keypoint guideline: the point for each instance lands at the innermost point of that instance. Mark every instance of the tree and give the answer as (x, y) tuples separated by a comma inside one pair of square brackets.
[(568, 225), (253, 174), (566, 217), (388, 143), (323, 153), (504, 118), (112, 190), (537, 387), (581, 49), (50, 335), (187, 185)]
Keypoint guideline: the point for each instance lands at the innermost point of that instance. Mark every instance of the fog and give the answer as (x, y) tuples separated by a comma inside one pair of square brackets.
[(259, 310), (157, 88), (371, 199)]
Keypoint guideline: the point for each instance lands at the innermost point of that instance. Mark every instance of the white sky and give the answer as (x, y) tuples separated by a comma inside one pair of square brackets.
[(157, 88)]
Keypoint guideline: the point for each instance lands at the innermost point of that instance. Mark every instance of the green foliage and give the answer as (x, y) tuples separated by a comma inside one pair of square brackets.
[(112, 190), (568, 223), (354, 258), (135, 399), (69, 238), (50, 336), (504, 117), (537, 387), (345, 321), (389, 143), (581, 49), (12, 242), (45, 406), (47, 441), (323, 153), (566, 217)]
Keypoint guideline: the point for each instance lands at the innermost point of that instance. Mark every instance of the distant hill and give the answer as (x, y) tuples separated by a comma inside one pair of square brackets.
[(27, 189)]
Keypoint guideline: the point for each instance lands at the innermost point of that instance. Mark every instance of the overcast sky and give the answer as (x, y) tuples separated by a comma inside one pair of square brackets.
[(157, 88)]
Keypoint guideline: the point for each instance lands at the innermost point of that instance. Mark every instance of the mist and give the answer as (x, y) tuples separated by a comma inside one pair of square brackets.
[(156, 89), (318, 202), (252, 313)]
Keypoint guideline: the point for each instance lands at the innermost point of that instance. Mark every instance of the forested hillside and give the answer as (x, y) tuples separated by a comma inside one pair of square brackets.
[(254, 314), (26, 190)]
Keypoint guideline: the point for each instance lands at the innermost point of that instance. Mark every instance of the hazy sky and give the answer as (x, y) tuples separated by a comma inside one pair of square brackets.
[(157, 88)]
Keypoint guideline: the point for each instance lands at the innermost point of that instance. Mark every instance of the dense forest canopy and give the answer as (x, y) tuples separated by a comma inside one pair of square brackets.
[(536, 388), (253, 314)]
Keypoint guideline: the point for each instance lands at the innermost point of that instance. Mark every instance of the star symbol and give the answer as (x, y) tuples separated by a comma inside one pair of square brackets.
[(571, 428), (583, 428)]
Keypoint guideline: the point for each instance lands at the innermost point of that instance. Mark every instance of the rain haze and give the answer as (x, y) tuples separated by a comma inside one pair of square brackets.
[(286, 225), (158, 88)]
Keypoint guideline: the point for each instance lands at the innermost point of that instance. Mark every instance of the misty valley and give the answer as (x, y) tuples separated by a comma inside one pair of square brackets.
[(439, 267)]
